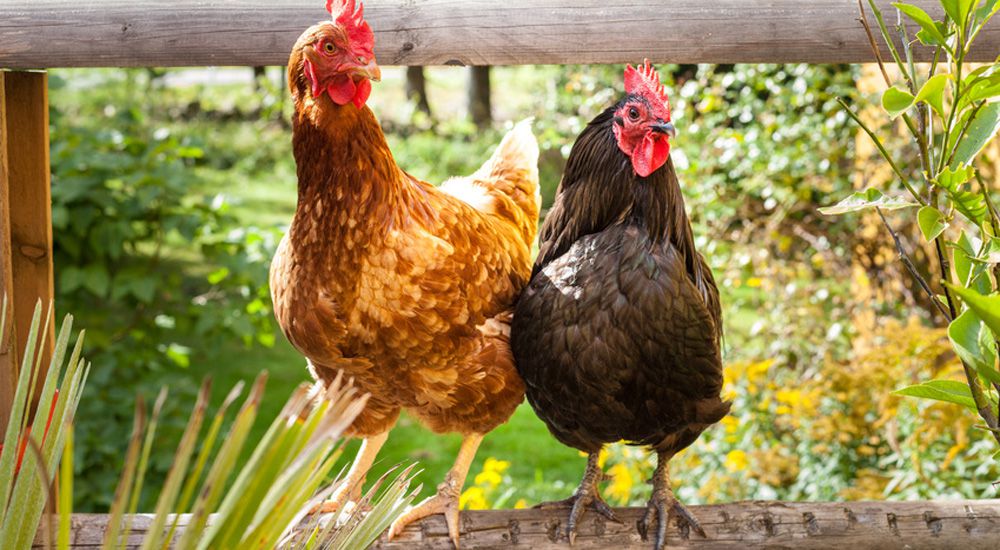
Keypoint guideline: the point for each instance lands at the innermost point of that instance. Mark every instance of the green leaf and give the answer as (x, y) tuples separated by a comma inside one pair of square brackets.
[(987, 10), (981, 130), (180, 355), (963, 255), (949, 391), (958, 10), (932, 92), (967, 267), (970, 204), (977, 86), (70, 279), (96, 279), (987, 308), (951, 179), (973, 342), (218, 275), (896, 101), (925, 22), (862, 200), (143, 289), (932, 222)]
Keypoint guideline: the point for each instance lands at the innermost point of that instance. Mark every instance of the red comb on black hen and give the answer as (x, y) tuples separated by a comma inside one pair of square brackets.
[(617, 336)]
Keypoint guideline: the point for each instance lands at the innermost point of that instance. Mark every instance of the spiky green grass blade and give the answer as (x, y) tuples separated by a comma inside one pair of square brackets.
[(65, 509), (140, 476), (218, 474), (12, 437), (178, 469), (113, 532), (27, 487)]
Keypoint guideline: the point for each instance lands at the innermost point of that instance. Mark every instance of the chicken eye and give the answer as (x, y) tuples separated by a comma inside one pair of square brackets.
[(329, 47), (633, 113), (362, 60)]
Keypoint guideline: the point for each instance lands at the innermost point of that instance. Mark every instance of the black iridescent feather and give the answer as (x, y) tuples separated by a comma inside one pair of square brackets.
[(617, 336)]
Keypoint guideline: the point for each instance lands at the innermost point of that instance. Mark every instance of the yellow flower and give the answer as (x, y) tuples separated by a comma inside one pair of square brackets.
[(866, 450), (753, 282), (494, 465), (736, 461), (521, 503), (620, 488), (488, 477), (473, 498), (731, 423)]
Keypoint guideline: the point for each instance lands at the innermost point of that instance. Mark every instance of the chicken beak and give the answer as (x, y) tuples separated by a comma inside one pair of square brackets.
[(664, 128), (371, 71)]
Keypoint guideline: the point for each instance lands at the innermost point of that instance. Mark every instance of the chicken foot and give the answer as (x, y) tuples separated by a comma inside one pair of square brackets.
[(351, 487), (587, 495), (663, 505), (448, 493)]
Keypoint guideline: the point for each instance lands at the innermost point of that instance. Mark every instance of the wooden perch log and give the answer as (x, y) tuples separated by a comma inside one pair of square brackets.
[(125, 33), (964, 524)]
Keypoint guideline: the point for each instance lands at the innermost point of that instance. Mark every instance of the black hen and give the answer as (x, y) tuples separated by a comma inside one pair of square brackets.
[(617, 335)]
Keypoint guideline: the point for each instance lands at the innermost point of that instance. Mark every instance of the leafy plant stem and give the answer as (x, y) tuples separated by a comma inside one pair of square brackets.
[(961, 133), (971, 376), (883, 152), (871, 39), (910, 267), (944, 158), (892, 47)]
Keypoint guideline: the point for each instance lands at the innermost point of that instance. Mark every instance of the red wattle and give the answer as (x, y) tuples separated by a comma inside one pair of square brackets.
[(364, 90), (342, 89), (650, 154), (313, 81)]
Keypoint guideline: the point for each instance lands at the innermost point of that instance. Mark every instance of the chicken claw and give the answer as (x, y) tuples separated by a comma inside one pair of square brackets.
[(444, 502), (663, 505), (350, 487), (448, 492), (587, 495)]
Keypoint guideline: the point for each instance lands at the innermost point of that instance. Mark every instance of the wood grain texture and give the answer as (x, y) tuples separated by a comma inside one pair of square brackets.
[(30, 201), (8, 352), (123, 33), (965, 524)]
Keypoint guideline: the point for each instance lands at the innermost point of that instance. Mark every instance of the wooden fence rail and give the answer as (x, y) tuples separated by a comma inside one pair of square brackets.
[(124, 33), (962, 524)]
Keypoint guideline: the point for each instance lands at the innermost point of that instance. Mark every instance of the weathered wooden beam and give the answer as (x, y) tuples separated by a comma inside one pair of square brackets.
[(965, 524), (8, 351), (124, 33), (29, 202)]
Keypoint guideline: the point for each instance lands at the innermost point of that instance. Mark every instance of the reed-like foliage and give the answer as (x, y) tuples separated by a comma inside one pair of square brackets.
[(201, 504), (32, 447)]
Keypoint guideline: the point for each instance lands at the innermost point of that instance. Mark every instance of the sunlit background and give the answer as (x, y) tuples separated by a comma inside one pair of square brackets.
[(171, 188)]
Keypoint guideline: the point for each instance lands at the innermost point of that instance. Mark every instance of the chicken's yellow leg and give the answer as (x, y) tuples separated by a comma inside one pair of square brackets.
[(350, 489), (448, 493)]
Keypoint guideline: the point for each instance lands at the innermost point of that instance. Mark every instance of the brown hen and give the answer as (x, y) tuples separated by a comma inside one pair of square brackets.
[(404, 286)]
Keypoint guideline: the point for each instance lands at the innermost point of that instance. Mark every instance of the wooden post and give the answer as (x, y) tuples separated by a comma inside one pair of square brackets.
[(26, 215), (8, 356)]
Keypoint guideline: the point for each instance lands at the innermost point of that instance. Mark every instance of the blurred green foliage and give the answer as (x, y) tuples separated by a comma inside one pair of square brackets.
[(152, 264)]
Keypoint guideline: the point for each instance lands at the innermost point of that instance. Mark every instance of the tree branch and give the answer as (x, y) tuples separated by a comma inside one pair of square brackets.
[(912, 268)]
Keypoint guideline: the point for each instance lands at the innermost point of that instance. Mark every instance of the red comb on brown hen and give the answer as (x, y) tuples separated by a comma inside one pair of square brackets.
[(403, 286), (352, 20)]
